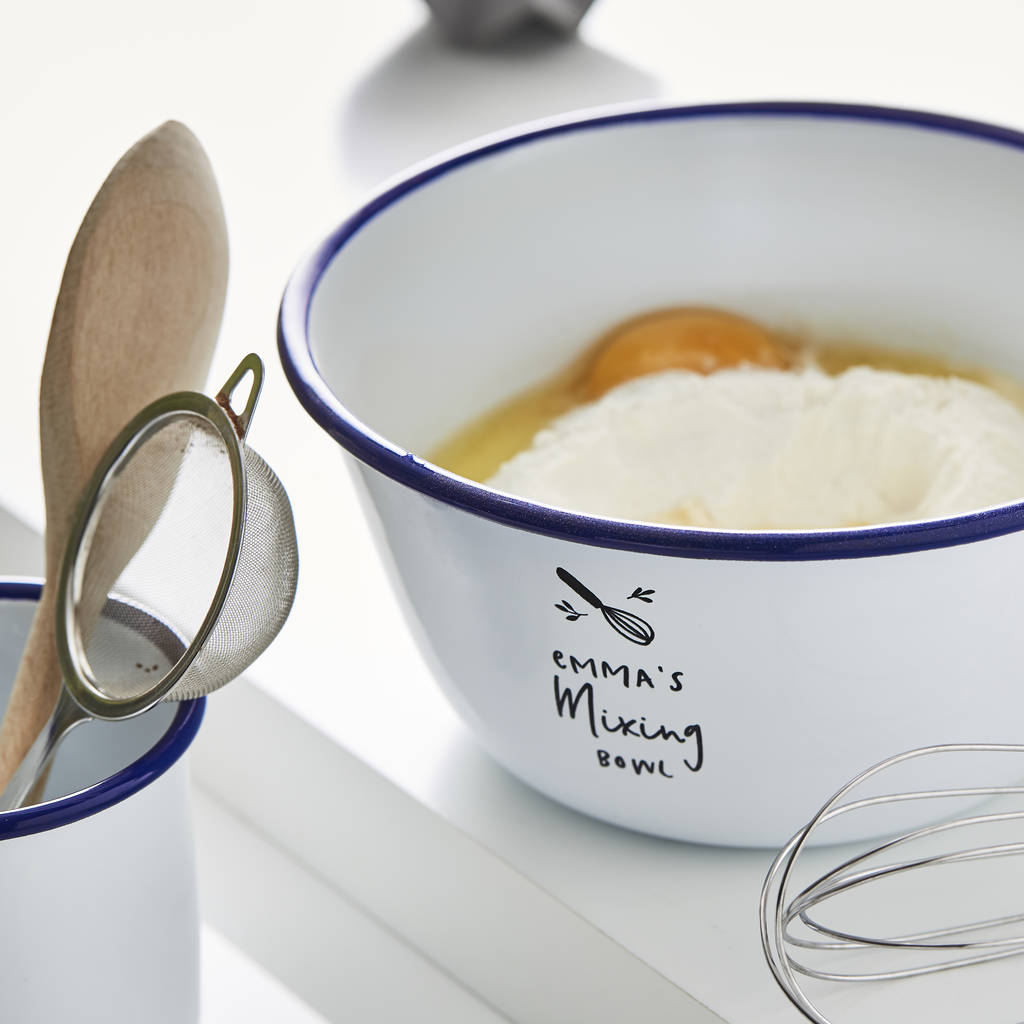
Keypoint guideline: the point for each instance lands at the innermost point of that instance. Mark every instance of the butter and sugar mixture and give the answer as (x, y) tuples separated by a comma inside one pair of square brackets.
[(756, 448), (700, 417)]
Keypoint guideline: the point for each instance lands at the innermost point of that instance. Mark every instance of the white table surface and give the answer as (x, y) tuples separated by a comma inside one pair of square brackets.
[(234, 988), (304, 108), (374, 974)]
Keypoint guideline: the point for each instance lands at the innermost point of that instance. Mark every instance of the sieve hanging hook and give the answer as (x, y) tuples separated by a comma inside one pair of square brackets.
[(251, 364)]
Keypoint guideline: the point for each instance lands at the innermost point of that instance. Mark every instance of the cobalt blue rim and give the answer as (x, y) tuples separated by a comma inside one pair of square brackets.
[(135, 776), (404, 467)]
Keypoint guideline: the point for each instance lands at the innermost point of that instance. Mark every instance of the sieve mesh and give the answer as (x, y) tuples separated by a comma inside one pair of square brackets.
[(158, 535), (171, 524), (261, 591)]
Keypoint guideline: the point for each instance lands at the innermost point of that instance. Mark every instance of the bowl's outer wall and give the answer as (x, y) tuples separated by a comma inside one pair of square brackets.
[(796, 675)]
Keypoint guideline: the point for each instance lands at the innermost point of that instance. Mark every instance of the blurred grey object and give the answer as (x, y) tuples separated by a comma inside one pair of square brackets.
[(480, 22)]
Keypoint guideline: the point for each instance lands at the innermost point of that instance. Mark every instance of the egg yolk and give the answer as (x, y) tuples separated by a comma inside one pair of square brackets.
[(701, 340)]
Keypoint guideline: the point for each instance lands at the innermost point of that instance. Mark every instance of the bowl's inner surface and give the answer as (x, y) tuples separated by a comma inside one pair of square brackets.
[(91, 752), (493, 275)]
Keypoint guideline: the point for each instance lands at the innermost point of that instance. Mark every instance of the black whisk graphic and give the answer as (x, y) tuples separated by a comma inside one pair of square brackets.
[(626, 624)]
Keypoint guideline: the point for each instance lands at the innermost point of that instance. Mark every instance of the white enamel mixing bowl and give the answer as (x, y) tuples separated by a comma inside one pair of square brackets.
[(99, 919), (782, 663)]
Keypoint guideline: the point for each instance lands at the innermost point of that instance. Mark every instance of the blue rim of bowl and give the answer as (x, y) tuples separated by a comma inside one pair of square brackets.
[(130, 779), (784, 545)]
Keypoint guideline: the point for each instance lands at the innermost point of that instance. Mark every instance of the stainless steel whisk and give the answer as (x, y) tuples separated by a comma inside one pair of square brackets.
[(799, 933)]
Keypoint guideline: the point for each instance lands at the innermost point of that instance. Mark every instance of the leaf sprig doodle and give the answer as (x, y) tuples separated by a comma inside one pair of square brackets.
[(570, 613), (641, 595)]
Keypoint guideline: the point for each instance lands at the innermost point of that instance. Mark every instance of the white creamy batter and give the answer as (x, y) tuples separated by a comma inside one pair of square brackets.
[(769, 449)]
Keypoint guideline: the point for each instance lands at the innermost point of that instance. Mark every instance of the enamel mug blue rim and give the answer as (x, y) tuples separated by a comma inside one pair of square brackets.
[(789, 545), (130, 779)]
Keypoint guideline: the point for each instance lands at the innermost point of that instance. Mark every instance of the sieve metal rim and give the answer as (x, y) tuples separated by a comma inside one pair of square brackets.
[(181, 403)]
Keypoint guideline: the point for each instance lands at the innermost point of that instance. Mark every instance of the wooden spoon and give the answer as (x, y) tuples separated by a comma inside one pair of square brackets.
[(137, 316)]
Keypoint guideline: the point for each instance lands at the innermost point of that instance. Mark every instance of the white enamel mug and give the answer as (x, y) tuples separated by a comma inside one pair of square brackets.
[(766, 668), (98, 910)]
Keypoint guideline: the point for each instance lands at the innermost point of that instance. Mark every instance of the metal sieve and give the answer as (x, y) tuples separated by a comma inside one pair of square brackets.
[(183, 533)]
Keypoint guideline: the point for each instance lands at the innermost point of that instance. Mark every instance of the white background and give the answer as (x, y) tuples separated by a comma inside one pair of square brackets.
[(304, 108)]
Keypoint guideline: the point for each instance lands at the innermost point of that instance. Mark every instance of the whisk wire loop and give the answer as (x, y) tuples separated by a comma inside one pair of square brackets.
[(847, 940)]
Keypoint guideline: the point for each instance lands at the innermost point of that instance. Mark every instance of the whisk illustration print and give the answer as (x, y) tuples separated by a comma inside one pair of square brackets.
[(626, 624)]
